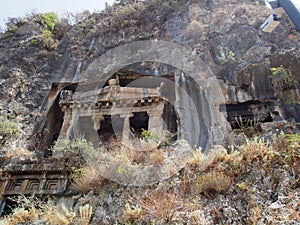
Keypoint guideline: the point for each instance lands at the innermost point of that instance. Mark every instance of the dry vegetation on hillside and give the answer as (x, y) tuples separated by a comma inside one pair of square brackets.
[(256, 183)]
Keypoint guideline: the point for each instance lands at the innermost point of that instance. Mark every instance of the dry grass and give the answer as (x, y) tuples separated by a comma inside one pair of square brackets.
[(132, 213), (18, 153), (32, 210), (156, 157), (207, 174), (84, 214), (194, 30), (254, 150), (148, 145), (198, 164), (212, 173), (161, 205), (284, 150), (88, 179), (249, 127), (120, 156), (212, 183), (254, 214), (197, 158), (62, 215), (58, 215), (202, 161), (21, 215), (130, 156)]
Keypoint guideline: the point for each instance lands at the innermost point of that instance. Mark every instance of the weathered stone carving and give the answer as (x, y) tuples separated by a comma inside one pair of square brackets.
[(37, 177), (112, 100)]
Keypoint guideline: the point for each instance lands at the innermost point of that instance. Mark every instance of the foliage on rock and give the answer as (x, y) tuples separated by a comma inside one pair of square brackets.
[(86, 179), (283, 77), (47, 19), (8, 129), (77, 148)]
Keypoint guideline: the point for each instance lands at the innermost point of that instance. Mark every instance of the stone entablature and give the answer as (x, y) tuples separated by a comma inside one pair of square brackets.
[(110, 96)]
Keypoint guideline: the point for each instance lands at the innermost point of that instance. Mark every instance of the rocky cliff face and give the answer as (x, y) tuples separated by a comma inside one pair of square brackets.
[(225, 35)]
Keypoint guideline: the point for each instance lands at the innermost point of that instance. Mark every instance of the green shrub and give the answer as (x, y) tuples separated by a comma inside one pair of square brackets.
[(228, 57), (280, 73), (8, 129), (126, 22), (47, 38), (277, 71), (148, 135), (289, 101), (12, 28), (49, 19), (47, 34), (293, 137), (79, 148), (35, 42)]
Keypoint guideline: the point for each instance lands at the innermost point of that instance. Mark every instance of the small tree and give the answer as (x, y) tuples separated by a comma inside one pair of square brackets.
[(48, 19)]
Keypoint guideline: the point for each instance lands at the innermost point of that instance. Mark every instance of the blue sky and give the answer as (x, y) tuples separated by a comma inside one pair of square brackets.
[(19, 8)]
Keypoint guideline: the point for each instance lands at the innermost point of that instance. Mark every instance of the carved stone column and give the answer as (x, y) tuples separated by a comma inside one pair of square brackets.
[(126, 129), (178, 100), (65, 129), (97, 121), (156, 122), (70, 122)]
